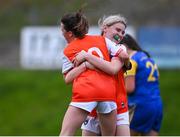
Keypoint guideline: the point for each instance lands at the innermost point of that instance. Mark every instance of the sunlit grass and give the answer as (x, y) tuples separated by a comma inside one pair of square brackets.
[(34, 102)]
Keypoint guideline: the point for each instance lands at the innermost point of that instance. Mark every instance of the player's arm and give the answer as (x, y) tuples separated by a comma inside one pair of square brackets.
[(111, 68), (130, 84), (118, 53), (73, 73), (69, 71)]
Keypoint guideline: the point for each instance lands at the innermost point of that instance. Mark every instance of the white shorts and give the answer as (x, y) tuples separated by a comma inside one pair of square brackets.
[(92, 123), (123, 119), (101, 107)]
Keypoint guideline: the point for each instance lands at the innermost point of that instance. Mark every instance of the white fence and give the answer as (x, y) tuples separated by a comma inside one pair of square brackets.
[(42, 47)]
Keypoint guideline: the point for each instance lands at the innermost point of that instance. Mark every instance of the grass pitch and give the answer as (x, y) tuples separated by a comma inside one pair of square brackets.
[(34, 102)]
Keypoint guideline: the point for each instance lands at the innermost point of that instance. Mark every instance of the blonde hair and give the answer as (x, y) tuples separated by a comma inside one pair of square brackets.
[(110, 20)]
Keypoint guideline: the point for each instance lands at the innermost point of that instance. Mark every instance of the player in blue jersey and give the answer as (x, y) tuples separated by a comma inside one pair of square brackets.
[(142, 85)]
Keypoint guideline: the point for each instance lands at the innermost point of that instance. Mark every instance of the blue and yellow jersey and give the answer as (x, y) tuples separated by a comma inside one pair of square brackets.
[(146, 78)]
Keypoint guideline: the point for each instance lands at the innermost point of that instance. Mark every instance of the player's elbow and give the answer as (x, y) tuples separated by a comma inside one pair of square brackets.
[(130, 89), (116, 68), (113, 70), (67, 81)]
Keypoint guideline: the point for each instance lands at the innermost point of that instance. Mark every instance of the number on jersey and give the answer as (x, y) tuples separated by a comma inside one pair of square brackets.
[(153, 68)]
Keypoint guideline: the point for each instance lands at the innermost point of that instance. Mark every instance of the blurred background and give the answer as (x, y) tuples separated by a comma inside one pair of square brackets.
[(33, 95)]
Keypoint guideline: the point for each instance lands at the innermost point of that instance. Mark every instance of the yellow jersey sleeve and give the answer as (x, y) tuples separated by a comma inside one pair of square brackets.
[(132, 71)]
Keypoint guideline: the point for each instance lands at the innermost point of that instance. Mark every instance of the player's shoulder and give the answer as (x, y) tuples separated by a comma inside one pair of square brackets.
[(139, 55), (72, 46), (94, 37), (66, 50)]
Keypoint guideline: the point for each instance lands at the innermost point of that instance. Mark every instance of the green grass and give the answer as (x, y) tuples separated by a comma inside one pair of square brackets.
[(34, 102), (170, 91)]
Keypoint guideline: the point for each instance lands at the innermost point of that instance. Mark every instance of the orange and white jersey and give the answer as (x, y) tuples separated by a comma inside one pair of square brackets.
[(91, 85), (121, 94), (122, 102), (112, 48)]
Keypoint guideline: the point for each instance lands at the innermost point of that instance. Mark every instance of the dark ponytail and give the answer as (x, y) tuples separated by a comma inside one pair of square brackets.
[(131, 43), (76, 23)]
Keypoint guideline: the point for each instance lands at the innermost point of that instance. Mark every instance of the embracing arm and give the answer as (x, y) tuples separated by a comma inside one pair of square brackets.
[(75, 72), (72, 74), (119, 57), (111, 68)]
